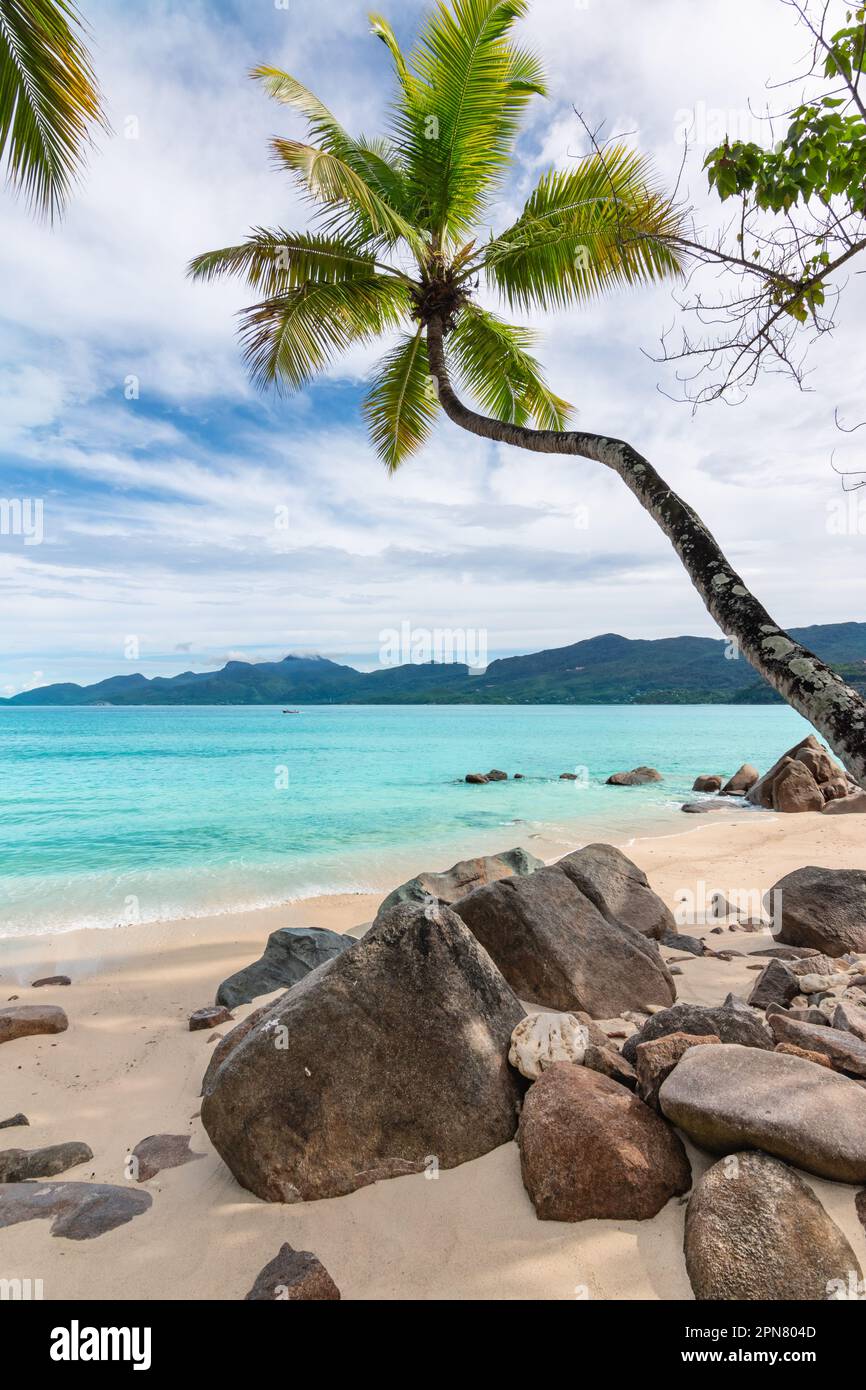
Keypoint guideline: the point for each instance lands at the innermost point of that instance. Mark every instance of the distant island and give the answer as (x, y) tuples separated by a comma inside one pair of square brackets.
[(605, 670)]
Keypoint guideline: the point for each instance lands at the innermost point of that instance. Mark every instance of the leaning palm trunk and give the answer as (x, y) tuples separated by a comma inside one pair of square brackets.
[(800, 677)]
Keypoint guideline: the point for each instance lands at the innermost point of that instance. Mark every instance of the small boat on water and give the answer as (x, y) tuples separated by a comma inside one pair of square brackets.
[(291, 711)]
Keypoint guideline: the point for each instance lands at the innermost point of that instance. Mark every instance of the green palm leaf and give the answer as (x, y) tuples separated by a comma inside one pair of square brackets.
[(329, 180), (458, 120), (401, 405), (382, 29), (373, 161), (292, 336), (273, 261), (494, 363), (584, 231), (48, 99)]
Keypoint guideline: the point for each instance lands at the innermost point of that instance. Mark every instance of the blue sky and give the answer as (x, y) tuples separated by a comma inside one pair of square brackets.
[(159, 511)]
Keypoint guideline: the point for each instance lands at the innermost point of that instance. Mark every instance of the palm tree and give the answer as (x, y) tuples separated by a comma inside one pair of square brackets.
[(48, 99), (397, 249)]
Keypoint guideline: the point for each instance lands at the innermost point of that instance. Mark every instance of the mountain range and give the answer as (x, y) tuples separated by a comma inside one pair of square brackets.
[(600, 670)]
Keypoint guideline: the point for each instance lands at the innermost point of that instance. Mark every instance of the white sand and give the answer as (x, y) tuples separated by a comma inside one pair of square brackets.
[(128, 1067)]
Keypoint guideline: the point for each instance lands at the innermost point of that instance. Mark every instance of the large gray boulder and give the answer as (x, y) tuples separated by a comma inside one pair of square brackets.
[(290, 954), (619, 889), (732, 1022), (754, 1230), (824, 908), (462, 877), (730, 1097), (556, 949), (388, 1059)]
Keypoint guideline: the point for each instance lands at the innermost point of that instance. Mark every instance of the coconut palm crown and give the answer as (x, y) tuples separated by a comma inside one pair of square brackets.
[(396, 242)]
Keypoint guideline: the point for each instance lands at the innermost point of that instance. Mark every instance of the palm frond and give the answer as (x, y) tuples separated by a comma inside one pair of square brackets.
[(322, 126), (585, 230), (401, 405), (382, 29), (457, 122), (290, 337), (274, 260), (49, 99), (373, 160), (494, 363), (331, 181)]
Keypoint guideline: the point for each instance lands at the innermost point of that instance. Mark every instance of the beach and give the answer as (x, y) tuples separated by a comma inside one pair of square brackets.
[(128, 1067)]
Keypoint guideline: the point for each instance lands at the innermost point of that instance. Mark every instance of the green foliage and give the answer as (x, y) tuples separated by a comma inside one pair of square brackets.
[(457, 115), (401, 405), (493, 360), (415, 198), (822, 154), (584, 231), (273, 261), (48, 99), (291, 337)]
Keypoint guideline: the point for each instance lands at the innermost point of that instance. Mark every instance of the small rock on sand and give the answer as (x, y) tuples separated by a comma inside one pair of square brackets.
[(77, 1210), (210, 1017), (293, 1276), (159, 1151), (25, 1020), (18, 1165)]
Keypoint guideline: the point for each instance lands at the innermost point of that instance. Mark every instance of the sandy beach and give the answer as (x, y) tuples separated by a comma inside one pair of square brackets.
[(129, 1067)]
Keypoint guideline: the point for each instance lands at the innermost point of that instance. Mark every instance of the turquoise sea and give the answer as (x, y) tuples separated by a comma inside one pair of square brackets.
[(110, 815)]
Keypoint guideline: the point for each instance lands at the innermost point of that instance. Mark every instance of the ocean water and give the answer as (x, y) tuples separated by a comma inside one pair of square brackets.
[(112, 815)]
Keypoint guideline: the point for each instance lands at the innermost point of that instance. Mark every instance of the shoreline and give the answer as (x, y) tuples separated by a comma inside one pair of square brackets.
[(329, 909), (548, 840)]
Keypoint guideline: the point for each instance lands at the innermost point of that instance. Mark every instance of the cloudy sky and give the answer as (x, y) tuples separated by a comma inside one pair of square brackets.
[(160, 546)]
